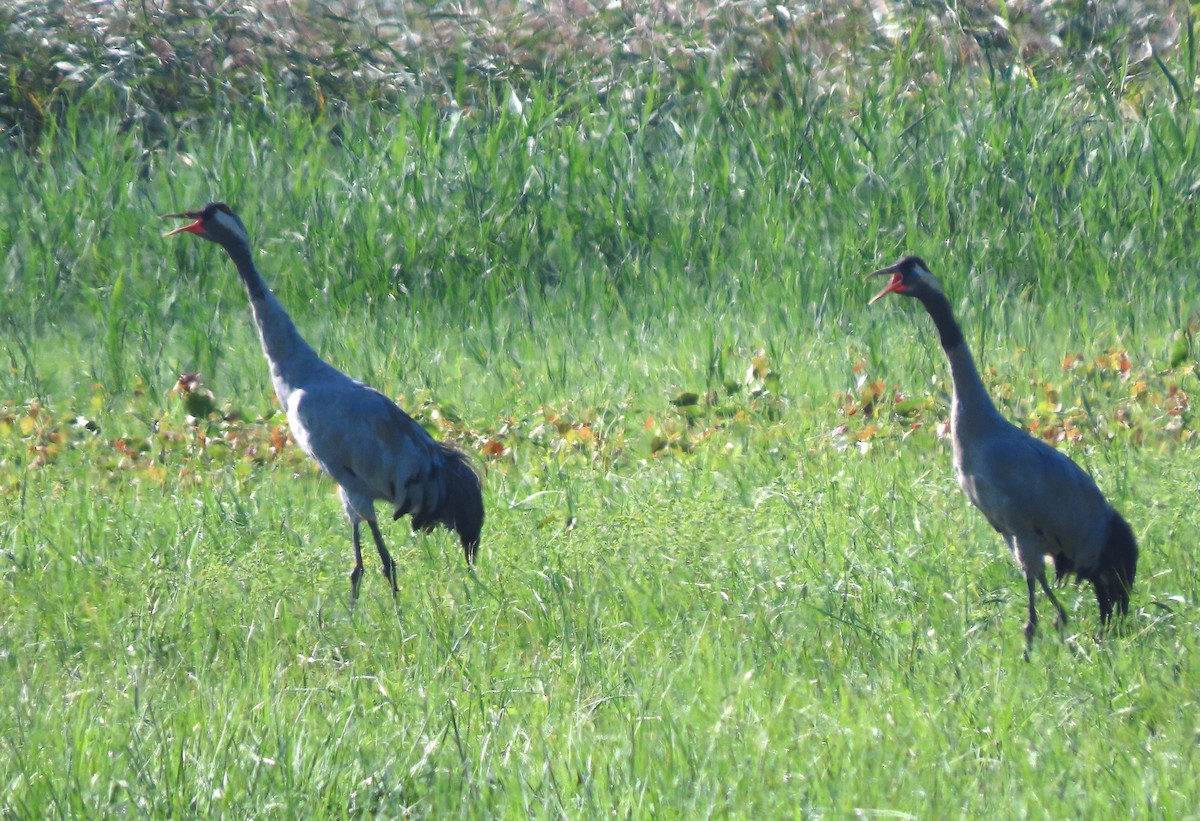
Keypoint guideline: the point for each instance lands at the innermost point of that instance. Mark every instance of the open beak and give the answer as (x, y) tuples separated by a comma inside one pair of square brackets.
[(196, 227), (893, 287)]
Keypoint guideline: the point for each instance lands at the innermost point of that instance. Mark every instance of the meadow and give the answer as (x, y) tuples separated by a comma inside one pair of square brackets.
[(726, 570)]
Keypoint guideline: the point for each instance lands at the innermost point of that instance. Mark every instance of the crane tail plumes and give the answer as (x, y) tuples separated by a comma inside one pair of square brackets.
[(459, 505), (1116, 568)]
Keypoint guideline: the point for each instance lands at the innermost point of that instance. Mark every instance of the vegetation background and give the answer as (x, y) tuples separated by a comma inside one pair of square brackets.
[(614, 251)]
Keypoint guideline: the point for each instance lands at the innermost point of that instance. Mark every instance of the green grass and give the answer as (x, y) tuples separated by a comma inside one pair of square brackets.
[(771, 602)]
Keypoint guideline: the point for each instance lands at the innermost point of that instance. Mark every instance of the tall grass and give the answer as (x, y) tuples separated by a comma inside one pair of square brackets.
[(726, 569), (625, 206)]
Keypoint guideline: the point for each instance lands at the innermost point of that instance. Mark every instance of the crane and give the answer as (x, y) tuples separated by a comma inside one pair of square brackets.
[(1040, 501), (355, 434)]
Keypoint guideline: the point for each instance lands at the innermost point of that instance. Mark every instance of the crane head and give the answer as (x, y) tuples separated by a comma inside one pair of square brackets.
[(910, 277), (215, 222)]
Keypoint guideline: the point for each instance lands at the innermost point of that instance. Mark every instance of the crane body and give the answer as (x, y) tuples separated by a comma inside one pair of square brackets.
[(360, 438), (1038, 499)]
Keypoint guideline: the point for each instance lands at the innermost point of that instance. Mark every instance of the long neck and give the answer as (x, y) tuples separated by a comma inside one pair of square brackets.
[(969, 392), (292, 360)]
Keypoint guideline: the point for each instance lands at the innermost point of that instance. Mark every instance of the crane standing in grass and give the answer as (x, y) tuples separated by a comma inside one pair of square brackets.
[(358, 436), (1041, 502)]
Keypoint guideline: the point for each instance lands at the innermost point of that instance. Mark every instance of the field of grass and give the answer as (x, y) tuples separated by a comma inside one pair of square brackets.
[(726, 570)]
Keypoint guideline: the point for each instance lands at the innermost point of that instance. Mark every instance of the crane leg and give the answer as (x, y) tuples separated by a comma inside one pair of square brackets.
[(389, 566), (1031, 625), (1062, 614), (356, 573)]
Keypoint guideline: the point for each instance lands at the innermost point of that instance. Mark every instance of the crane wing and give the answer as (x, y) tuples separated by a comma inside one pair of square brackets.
[(358, 436), (374, 450), (1027, 488)]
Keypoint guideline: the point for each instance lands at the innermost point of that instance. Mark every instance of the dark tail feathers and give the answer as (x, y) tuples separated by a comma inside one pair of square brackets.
[(1117, 565), (1113, 573), (461, 502)]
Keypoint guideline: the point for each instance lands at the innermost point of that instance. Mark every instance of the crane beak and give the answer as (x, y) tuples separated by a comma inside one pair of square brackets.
[(893, 287), (196, 227)]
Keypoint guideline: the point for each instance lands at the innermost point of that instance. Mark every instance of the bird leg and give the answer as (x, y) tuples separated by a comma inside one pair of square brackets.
[(1031, 625), (1062, 614), (389, 566), (356, 573)]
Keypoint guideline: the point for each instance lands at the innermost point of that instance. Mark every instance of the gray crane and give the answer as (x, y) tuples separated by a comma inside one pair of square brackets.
[(1041, 502), (359, 437)]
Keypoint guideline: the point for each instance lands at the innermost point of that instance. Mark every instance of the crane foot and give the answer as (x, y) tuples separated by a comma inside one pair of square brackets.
[(1030, 630), (389, 572)]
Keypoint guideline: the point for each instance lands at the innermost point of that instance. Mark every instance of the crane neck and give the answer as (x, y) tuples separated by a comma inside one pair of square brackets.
[(939, 309), (256, 287), (969, 390), (289, 356)]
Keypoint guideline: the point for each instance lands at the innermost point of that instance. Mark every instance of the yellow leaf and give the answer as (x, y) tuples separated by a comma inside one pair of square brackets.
[(759, 365), (867, 432)]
